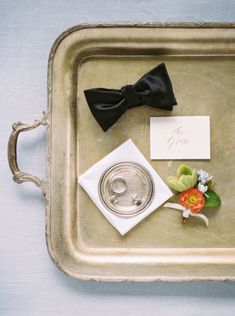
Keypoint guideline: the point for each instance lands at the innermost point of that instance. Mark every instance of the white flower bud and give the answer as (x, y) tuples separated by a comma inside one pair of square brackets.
[(201, 187)]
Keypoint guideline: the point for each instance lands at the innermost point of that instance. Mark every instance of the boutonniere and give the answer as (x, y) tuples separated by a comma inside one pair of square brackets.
[(195, 191)]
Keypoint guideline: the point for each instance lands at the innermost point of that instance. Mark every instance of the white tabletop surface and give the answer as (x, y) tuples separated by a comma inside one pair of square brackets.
[(30, 284)]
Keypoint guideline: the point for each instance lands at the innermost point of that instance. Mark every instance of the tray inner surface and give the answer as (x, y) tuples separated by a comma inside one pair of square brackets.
[(203, 85)]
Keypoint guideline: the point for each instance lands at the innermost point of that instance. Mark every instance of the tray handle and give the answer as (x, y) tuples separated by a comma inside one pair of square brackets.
[(18, 175)]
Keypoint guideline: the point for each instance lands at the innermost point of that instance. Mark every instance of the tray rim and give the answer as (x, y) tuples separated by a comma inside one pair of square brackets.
[(222, 25), (197, 25)]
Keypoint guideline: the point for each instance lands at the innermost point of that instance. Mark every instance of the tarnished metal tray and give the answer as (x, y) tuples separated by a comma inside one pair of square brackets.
[(201, 61)]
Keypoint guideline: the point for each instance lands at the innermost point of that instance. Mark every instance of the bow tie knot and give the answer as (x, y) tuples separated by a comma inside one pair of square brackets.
[(130, 95)]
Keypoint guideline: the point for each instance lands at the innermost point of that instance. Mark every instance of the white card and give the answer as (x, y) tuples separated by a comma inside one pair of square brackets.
[(180, 137)]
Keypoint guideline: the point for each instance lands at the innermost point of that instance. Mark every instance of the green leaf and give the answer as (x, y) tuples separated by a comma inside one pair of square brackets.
[(212, 200)]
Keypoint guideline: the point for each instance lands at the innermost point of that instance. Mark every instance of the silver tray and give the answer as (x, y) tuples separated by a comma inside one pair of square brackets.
[(201, 61)]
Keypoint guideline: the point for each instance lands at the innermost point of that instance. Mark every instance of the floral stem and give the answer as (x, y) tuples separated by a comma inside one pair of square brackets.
[(183, 220)]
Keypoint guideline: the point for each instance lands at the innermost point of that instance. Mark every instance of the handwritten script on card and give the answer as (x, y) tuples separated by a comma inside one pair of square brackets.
[(180, 137), (177, 138)]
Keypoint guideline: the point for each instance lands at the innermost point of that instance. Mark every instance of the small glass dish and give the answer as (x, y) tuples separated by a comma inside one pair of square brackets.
[(126, 189)]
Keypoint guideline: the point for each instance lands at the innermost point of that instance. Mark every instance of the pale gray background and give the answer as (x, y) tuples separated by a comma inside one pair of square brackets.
[(30, 284)]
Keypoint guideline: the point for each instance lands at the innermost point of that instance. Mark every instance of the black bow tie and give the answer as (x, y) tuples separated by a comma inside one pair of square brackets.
[(154, 89)]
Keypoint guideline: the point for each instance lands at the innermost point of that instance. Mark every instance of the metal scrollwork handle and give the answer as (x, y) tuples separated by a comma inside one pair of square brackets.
[(18, 175)]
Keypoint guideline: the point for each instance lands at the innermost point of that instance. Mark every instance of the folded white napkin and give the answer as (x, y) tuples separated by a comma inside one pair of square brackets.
[(125, 152)]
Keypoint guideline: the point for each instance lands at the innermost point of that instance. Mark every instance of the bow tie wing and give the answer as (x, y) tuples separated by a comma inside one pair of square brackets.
[(106, 105), (155, 89)]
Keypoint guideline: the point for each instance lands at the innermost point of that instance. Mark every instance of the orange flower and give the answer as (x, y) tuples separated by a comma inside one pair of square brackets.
[(193, 200)]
